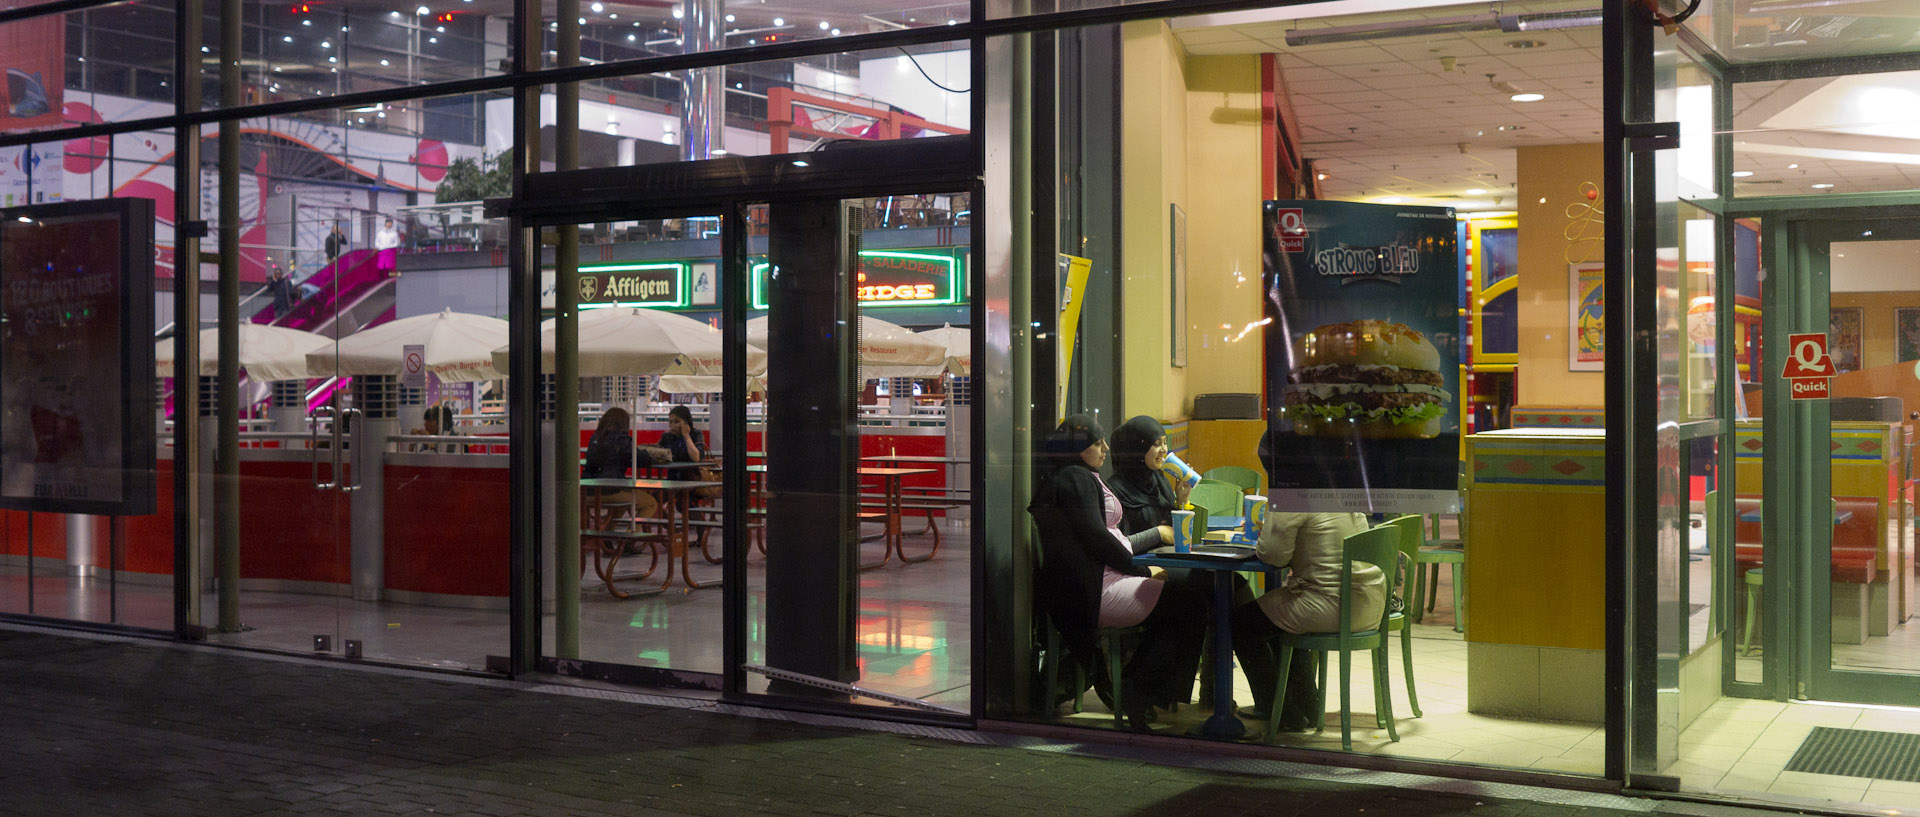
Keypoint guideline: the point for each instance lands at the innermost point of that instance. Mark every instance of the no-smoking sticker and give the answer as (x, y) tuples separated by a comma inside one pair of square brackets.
[(1808, 366)]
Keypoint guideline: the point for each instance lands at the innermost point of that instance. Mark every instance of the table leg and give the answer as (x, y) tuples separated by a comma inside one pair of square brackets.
[(1224, 724), (679, 522)]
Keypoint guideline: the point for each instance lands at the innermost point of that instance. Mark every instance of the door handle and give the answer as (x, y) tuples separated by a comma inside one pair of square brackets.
[(313, 445), (348, 472), (348, 416)]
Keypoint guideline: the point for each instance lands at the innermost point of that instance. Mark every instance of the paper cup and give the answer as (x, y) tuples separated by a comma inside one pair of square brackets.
[(1182, 531), (1254, 508)]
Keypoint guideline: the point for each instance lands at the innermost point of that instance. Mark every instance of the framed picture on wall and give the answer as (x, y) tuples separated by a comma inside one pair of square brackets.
[(1177, 242), (1586, 317), (1906, 334), (1843, 337)]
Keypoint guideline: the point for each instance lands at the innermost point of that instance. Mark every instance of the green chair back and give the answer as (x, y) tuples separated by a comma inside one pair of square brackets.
[(1247, 478), (1380, 547), (1223, 500), (1412, 535)]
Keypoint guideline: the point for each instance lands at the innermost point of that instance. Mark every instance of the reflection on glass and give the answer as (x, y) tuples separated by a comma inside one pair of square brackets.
[(1811, 137)]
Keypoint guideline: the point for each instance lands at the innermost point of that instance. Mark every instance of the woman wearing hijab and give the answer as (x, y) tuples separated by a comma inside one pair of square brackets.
[(1088, 580), (1146, 501)]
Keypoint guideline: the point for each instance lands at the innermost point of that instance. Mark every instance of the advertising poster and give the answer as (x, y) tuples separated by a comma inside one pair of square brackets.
[(76, 358), (33, 55), (1363, 357), (1587, 322)]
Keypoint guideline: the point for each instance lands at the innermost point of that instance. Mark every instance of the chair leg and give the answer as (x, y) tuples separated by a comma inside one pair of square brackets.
[(1113, 677), (1416, 601), (1346, 705), (1279, 692), (1052, 671), (1753, 614), (1383, 699), (1320, 717), (1459, 573), (1406, 661), (1433, 586)]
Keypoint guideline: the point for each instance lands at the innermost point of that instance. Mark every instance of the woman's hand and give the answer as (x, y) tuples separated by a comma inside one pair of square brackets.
[(1166, 534), (1180, 491)]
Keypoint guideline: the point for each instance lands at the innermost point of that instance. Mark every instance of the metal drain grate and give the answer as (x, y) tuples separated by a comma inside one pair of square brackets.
[(1859, 753)]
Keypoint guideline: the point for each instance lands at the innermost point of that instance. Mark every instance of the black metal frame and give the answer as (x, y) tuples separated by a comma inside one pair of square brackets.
[(726, 186)]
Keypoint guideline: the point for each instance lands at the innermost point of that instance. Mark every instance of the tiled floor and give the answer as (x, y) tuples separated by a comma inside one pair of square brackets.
[(1741, 748)]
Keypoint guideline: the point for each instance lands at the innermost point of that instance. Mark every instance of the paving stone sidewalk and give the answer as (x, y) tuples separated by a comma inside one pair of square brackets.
[(92, 726)]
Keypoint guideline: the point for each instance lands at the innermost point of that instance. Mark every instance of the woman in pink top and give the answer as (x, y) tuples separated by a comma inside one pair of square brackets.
[(1088, 580)]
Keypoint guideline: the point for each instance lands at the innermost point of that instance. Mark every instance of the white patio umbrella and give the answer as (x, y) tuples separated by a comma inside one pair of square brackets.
[(886, 350), (959, 343), (635, 340), (266, 352), (458, 346)]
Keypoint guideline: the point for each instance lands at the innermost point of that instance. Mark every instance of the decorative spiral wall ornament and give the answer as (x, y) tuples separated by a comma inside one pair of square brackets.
[(1586, 229)]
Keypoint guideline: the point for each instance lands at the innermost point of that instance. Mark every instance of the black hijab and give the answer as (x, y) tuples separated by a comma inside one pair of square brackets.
[(1146, 500), (1061, 451)]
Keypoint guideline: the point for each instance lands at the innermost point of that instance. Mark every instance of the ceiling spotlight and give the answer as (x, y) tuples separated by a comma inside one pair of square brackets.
[(835, 32), (719, 151), (630, 38), (824, 25), (1741, 174), (729, 18), (678, 12), (423, 11), (1320, 177), (396, 14), (1390, 199), (1476, 191), (1793, 167), (597, 8), (1527, 97), (779, 21), (1822, 186)]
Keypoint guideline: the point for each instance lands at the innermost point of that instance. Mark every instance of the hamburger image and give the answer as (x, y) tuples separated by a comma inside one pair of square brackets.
[(1366, 378)]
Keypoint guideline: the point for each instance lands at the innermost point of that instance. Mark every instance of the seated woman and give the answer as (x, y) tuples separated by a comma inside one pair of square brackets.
[(610, 451), (1146, 501), (1088, 580), (688, 444), (437, 421), (1311, 545)]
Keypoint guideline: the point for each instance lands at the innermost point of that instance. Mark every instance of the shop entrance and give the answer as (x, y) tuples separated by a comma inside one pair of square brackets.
[(1832, 570), (784, 517)]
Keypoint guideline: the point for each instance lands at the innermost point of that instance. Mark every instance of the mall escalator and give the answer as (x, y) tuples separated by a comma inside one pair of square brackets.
[(354, 292)]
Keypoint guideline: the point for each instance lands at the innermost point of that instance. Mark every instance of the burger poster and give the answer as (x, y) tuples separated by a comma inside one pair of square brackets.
[(1363, 354)]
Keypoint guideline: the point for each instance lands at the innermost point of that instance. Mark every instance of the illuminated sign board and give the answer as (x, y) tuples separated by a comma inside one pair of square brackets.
[(652, 285), (892, 278)]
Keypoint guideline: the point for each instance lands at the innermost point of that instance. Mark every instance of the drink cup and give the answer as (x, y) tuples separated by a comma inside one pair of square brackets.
[(1254, 508), (1182, 531)]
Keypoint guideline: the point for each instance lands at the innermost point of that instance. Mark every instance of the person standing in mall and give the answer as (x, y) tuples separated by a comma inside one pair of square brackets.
[(336, 243), (386, 242), (280, 286)]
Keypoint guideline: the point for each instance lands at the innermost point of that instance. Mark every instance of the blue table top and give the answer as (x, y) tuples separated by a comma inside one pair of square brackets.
[(1169, 559), (1839, 517), (1225, 522)]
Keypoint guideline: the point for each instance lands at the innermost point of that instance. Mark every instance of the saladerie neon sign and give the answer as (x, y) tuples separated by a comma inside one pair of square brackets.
[(891, 278)]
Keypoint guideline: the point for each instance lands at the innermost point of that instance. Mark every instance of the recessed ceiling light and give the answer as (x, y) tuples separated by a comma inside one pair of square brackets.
[(1526, 43), (719, 151), (678, 12), (597, 8), (1741, 174), (1320, 177), (824, 25), (1527, 97), (1793, 167), (1822, 186), (779, 21), (1476, 191), (729, 18)]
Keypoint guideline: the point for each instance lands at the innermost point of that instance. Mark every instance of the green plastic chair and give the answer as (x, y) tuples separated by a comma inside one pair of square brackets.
[(1222, 499), (1114, 641), (1247, 478), (1380, 547), (1410, 541), (1426, 586)]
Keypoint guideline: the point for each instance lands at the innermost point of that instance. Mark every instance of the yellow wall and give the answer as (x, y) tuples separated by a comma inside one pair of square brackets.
[(1153, 173), (1550, 179), (1876, 331)]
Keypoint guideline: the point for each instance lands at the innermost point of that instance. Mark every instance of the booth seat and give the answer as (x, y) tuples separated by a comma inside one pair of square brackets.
[(1855, 553)]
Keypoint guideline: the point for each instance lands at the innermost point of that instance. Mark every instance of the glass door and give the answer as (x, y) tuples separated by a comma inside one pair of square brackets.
[(863, 594), (1853, 612), (633, 397)]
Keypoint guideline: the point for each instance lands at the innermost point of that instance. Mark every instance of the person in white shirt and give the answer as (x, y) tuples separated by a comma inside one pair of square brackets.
[(387, 238), (386, 245)]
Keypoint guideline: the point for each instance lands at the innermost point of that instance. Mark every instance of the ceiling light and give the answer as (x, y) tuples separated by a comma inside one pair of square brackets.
[(678, 12), (719, 151), (630, 38), (800, 163), (953, 22), (1793, 167), (779, 21), (1476, 191), (1389, 199), (384, 62), (729, 18), (1527, 97), (613, 16), (433, 39), (824, 25), (1550, 21), (286, 39), (396, 14), (423, 11), (1526, 43), (835, 32), (597, 8), (1822, 186), (1741, 174)]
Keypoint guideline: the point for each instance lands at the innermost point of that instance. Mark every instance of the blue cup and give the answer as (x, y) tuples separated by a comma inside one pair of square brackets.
[(1254, 508), (1182, 531)]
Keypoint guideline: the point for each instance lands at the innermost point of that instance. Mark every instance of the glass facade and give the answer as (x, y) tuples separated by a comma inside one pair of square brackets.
[(762, 352)]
